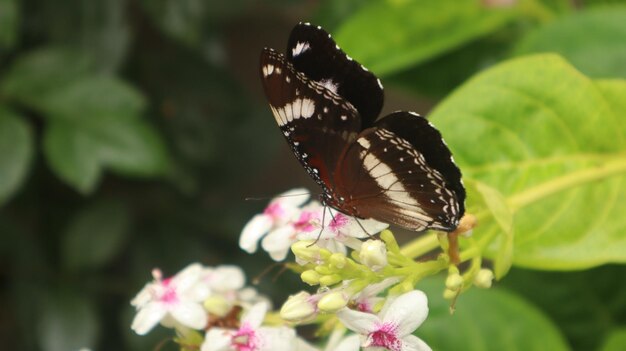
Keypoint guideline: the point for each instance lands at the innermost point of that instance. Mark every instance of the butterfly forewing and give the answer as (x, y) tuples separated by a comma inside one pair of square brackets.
[(314, 53), (316, 122)]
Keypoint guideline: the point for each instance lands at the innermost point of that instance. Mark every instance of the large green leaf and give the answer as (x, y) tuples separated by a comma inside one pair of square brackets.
[(592, 40), (553, 143), (485, 320), (387, 36), (92, 98), (41, 72), (95, 235), (16, 152), (78, 153), (9, 22), (615, 341)]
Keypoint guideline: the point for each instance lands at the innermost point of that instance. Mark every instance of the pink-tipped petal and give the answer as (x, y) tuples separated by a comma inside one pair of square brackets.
[(148, 317), (408, 311)]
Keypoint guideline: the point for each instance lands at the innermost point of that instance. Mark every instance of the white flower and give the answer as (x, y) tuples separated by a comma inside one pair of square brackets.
[(341, 230), (251, 336), (178, 298), (367, 299), (279, 240), (392, 328), (280, 210)]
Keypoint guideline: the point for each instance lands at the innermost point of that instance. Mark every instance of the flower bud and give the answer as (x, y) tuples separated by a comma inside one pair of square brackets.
[(330, 279), (298, 308), (373, 254), (483, 278), (450, 294), (217, 305), (310, 277), (454, 281), (338, 260), (332, 302), (306, 251)]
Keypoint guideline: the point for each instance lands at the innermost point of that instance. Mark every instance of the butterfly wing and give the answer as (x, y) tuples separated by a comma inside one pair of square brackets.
[(313, 52), (386, 177), (317, 123)]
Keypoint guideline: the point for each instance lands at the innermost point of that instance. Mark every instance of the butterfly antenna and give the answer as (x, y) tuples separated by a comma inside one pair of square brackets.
[(256, 280), (364, 230), (273, 197)]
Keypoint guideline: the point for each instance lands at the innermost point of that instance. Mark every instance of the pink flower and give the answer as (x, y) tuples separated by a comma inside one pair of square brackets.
[(178, 298), (280, 211), (250, 336), (392, 328)]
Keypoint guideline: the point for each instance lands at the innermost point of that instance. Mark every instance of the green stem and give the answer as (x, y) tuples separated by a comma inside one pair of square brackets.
[(565, 182)]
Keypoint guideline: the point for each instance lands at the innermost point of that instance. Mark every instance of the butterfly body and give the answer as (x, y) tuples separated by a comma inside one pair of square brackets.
[(394, 169)]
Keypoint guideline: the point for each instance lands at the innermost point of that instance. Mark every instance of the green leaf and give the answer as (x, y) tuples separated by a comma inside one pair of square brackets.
[(410, 32), (496, 204), (16, 152), (9, 23), (67, 322), (484, 320), (592, 40), (554, 145), (95, 235), (615, 341), (78, 153), (93, 98), (95, 124), (41, 72)]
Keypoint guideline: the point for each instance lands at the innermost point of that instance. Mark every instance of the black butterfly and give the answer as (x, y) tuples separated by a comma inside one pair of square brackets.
[(396, 169)]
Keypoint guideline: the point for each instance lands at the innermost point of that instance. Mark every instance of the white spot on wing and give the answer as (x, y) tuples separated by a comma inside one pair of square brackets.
[(267, 70), (300, 48), (330, 85), (364, 142)]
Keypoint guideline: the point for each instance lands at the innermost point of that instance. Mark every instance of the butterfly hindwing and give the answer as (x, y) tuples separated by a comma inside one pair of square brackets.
[(383, 176), (314, 53)]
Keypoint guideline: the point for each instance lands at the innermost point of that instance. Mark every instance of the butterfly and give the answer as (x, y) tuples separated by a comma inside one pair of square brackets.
[(395, 169)]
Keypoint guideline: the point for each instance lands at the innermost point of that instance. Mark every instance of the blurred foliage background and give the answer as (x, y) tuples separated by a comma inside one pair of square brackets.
[(131, 131)]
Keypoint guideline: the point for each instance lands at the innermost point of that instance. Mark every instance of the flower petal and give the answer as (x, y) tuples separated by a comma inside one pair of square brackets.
[(293, 198), (276, 339), (413, 343), (358, 322), (350, 343), (256, 314), (253, 231), (227, 278), (147, 317), (278, 242), (186, 278), (190, 314), (408, 311), (217, 339)]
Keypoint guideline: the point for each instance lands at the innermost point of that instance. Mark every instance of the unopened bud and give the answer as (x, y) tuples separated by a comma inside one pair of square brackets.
[(306, 251), (310, 277), (298, 308), (484, 278), (450, 294), (217, 305), (338, 260), (331, 279), (454, 281), (373, 254), (332, 302)]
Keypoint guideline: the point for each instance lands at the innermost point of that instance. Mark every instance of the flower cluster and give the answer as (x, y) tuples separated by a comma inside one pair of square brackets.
[(365, 297), (286, 221)]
